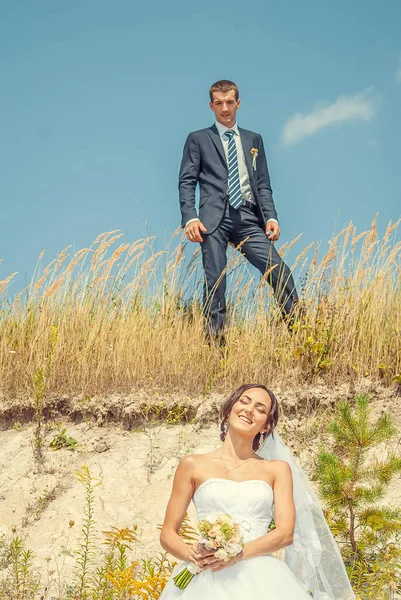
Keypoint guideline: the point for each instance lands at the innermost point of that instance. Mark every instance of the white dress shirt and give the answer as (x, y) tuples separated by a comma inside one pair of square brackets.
[(246, 191), (245, 185)]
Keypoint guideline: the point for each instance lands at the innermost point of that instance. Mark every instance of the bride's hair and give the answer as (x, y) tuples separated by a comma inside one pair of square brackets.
[(272, 417)]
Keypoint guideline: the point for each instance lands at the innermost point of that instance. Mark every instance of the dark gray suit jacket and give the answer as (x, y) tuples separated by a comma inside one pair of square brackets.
[(204, 161)]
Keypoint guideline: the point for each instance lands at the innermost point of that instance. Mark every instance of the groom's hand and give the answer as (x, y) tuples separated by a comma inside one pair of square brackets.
[(272, 231), (194, 231)]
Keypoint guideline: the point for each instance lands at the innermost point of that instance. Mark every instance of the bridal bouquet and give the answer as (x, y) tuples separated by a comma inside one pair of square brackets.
[(219, 533)]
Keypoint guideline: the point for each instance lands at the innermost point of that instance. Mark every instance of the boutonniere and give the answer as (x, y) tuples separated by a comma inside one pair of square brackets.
[(254, 154)]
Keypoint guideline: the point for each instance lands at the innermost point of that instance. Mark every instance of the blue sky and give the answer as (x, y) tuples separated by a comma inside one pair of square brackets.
[(98, 97)]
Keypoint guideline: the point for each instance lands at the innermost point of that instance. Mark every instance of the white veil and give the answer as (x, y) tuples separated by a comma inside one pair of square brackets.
[(314, 556)]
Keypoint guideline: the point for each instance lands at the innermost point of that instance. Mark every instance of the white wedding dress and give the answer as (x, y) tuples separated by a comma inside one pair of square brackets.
[(250, 504)]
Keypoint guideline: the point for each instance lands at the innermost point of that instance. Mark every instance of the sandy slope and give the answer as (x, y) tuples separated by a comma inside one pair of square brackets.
[(135, 467)]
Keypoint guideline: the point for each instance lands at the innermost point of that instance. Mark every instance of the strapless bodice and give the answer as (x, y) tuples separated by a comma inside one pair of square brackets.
[(249, 503)]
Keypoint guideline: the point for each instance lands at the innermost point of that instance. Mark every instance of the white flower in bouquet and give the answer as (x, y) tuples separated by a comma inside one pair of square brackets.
[(211, 543), (222, 554), (232, 549), (236, 539)]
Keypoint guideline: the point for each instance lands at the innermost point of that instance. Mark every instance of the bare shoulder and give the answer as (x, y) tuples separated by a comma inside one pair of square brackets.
[(192, 461), (279, 468), (187, 469), (188, 462)]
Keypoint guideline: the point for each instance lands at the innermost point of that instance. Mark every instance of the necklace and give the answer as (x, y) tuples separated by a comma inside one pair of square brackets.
[(232, 469)]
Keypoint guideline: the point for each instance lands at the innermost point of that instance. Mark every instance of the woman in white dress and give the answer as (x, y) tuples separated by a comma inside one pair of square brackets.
[(235, 480)]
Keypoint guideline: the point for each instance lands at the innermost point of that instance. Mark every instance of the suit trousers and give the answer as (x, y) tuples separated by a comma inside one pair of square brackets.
[(237, 225)]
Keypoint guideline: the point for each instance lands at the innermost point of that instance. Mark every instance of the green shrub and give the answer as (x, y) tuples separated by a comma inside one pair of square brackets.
[(353, 477)]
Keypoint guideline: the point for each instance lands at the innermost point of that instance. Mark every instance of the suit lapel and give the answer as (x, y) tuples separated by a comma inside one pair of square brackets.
[(214, 134)]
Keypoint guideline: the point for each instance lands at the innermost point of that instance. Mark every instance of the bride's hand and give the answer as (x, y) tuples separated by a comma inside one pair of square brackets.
[(199, 555), (219, 565)]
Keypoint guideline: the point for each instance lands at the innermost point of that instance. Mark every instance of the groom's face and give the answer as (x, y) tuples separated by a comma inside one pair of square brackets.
[(225, 107)]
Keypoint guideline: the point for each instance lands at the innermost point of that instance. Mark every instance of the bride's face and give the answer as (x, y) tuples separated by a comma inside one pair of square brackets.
[(249, 414)]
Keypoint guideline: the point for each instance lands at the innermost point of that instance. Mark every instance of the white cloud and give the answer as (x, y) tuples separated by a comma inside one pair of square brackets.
[(346, 108), (398, 72)]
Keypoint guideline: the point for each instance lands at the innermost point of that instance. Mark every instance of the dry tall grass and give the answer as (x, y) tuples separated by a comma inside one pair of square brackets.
[(112, 317)]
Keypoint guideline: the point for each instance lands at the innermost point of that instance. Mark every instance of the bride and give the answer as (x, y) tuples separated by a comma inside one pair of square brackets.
[(254, 477)]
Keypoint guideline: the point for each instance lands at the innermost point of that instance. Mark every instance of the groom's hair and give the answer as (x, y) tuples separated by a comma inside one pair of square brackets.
[(224, 86), (272, 417)]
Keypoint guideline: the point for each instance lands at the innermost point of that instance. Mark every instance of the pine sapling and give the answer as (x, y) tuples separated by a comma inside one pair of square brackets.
[(353, 478)]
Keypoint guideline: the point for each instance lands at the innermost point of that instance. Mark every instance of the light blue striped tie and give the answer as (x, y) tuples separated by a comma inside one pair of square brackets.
[(234, 186)]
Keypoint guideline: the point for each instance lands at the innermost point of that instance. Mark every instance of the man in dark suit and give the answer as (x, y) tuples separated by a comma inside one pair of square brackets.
[(235, 205)]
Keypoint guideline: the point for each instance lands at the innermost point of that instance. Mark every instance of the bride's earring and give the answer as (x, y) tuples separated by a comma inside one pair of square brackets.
[(262, 439), (225, 427)]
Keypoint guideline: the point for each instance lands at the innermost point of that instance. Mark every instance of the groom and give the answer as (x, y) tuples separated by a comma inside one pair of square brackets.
[(236, 205)]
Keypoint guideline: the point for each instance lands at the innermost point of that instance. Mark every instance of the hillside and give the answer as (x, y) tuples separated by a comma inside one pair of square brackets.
[(134, 459)]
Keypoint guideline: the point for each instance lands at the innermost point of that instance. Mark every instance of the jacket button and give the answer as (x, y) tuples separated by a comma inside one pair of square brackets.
[(222, 196)]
